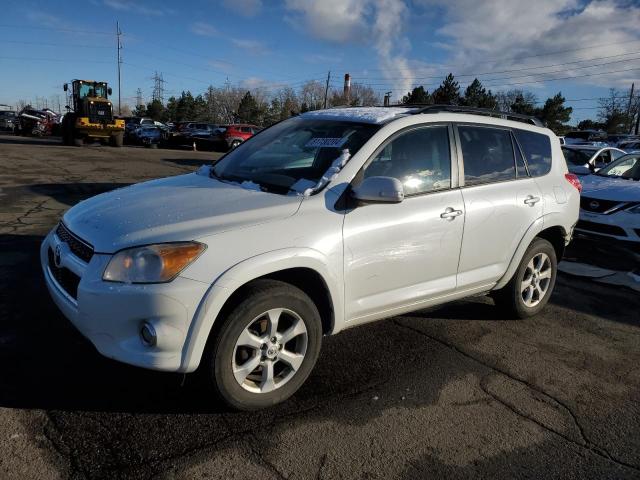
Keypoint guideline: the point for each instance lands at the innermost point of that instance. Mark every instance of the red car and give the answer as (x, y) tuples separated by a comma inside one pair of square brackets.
[(233, 135)]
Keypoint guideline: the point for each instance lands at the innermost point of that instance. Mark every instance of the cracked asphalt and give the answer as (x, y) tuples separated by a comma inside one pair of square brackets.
[(450, 392)]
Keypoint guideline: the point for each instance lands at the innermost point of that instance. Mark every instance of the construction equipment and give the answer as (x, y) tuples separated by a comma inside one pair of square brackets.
[(92, 115)]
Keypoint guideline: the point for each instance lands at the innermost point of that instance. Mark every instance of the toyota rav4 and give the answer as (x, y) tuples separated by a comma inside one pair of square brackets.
[(322, 222)]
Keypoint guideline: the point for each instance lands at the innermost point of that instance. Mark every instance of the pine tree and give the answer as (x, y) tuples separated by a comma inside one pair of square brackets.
[(417, 95), (248, 109), (554, 113), (448, 93), (477, 96)]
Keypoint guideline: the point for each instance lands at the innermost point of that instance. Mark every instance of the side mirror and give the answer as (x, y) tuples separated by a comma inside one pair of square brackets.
[(379, 190), (109, 91), (65, 87)]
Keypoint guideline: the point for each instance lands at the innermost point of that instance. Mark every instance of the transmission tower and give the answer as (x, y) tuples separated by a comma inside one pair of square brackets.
[(158, 88), (138, 97)]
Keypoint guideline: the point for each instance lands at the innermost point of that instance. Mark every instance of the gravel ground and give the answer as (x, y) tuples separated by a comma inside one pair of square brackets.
[(452, 392)]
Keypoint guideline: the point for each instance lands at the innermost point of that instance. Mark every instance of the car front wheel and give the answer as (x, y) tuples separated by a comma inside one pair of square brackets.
[(531, 286), (266, 346)]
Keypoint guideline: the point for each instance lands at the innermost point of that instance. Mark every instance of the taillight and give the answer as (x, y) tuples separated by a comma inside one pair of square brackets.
[(573, 179)]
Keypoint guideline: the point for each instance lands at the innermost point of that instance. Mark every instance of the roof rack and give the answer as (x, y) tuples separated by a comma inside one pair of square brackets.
[(519, 117)]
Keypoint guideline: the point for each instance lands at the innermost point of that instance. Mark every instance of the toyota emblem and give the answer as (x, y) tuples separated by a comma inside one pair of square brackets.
[(594, 205), (57, 258)]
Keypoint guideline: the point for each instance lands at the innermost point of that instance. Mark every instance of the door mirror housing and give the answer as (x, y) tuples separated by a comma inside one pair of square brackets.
[(109, 91), (379, 190)]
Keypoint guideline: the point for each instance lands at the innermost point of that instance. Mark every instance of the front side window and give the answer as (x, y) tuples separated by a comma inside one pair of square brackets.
[(537, 150), (293, 154), (487, 154), (420, 159)]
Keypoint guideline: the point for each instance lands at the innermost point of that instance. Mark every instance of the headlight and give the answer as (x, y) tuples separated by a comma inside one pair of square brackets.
[(152, 263)]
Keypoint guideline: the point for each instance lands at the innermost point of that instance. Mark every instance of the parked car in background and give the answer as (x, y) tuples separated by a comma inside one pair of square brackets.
[(149, 136), (610, 202), (7, 120), (586, 136), (630, 146), (133, 123), (618, 139), (325, 221), (586, 159), (234, 134)]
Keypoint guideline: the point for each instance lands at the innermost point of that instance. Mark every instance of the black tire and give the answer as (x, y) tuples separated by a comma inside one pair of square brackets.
[(510, 298), (78, 141), (258, 298), (117, 139)]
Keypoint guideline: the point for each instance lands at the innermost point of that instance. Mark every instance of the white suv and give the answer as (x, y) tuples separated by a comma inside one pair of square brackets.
[(322, 222)]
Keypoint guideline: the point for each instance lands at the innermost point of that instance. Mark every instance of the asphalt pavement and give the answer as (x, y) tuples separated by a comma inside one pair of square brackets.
[(451, 392)]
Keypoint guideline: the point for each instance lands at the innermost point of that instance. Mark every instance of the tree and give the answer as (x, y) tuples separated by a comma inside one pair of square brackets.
[(417, 95), (248, 111), (507, 98), (363, 96), (312, 95), (523, 106), (140, 111), (477, 96), (554, 113), (448, 93), (155, 110), (612, 112), (590, 125)]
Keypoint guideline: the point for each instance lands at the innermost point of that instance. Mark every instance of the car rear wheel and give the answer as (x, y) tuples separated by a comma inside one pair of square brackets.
[(265, 348), (235, 144), (531, 286)]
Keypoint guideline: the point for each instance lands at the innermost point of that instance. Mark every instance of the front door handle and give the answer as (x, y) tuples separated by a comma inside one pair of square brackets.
[(531, 200), (450, 213)]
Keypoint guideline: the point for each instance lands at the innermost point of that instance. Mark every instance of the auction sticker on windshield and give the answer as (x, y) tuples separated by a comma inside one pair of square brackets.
[(318, 142)]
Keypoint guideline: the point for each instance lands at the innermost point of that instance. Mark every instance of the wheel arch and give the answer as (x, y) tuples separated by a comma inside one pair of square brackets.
[(306, 270), (555, 234)]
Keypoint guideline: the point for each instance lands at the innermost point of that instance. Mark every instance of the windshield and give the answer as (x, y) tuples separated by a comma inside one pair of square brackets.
[(625, 167), (92, 90), (294, 154), (576, 156)]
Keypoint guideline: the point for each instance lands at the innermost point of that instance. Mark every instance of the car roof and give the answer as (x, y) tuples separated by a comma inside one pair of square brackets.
[(595, 148), (386, 115)]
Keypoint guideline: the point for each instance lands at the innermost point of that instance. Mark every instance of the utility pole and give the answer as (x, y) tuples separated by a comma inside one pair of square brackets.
[(629, 106), (119, 47), (326, 89), (387, 99)]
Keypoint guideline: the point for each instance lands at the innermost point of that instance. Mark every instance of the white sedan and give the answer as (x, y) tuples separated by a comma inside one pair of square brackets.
[(586, 159), (610, 201)]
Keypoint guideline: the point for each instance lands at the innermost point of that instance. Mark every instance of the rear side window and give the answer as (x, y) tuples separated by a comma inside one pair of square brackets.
[(245, 130), (537, 151), (487, 154)]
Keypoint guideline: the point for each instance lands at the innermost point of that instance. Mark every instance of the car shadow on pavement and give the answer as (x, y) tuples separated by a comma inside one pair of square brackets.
[(16, 140), (189, 162), (72, 193)]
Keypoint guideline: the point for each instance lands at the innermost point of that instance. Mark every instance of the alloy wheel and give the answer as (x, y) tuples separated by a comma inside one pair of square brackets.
[(270, 350), (536, 280)]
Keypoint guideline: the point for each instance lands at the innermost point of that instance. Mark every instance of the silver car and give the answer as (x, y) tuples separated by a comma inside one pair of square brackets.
[(586, 159)]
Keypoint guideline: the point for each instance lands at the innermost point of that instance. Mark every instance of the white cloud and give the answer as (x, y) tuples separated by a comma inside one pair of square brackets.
[(332, 20), (380, 22), (204, 29), (512, 34), (246, 8), (253, 47), (135, 6)]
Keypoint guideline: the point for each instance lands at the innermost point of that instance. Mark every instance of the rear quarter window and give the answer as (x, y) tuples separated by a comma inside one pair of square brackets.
[(537, 151)]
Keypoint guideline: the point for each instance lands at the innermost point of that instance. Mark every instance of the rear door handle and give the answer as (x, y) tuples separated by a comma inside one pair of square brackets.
[(531, 200), (450, 213)]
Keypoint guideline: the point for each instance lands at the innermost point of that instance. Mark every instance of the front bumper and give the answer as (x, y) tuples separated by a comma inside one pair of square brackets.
[(110, 315), (622, 225)]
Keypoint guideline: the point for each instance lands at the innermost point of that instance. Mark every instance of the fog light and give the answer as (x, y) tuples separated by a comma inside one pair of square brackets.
[(148, 334)]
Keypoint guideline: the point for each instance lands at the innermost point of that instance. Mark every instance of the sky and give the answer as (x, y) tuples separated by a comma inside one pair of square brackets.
[(579, 47)]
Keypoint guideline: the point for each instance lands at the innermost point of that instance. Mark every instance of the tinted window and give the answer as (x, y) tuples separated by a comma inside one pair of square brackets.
[(419, 158), (537, 150), (245, 129), (577, 157), (487, 154)]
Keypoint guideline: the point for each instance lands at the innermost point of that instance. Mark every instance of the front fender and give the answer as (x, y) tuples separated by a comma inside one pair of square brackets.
[(242, 273)]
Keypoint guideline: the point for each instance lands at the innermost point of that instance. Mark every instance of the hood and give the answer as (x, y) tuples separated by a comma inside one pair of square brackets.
[(179, 208), (603, 188)]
